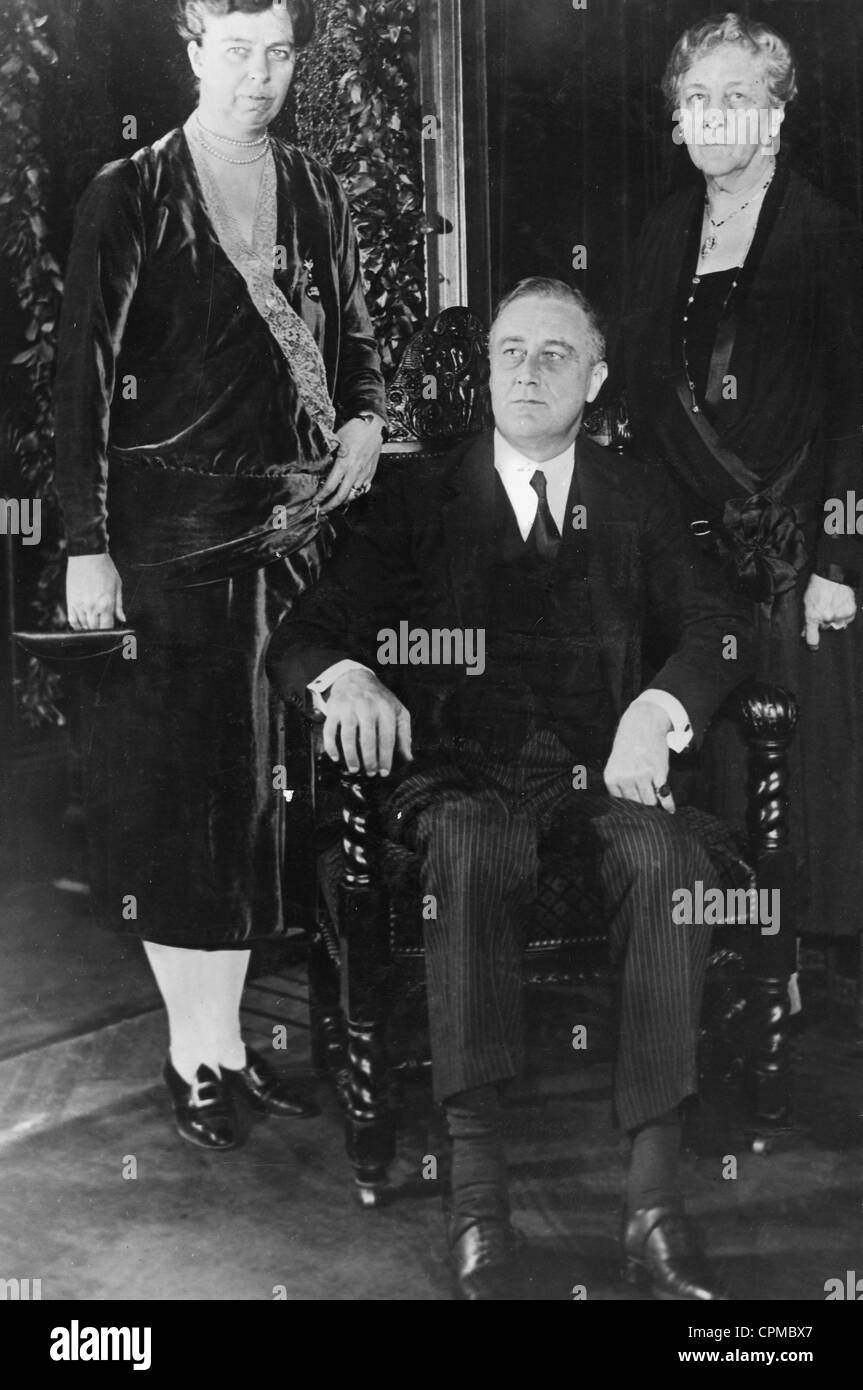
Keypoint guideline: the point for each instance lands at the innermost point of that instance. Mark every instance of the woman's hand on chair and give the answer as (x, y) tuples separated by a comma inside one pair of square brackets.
[(94, 593), (355, 463), (826, 604)]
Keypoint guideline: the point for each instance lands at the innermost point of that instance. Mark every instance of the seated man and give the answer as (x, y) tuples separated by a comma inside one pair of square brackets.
[(542, 556)]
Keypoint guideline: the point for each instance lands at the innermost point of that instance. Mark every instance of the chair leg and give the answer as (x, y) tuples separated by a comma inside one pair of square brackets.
[(769, 719), (370, 1128), (770, 1077), (770, 1070), (329, 1043), (370, 1131)]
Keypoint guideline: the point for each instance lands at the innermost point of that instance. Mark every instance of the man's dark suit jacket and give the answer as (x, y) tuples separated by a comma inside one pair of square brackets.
[(423, 552)]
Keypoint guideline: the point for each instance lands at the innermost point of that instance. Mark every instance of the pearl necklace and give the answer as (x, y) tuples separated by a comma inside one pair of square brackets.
[(244, 144), (709, 241), (255, 159), (226, 158)]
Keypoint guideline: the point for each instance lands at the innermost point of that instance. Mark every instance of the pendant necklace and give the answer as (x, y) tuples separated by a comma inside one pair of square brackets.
[(709, 241), (706, 247)]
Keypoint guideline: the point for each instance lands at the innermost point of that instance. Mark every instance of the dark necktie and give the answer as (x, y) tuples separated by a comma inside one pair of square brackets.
[(544, 536)]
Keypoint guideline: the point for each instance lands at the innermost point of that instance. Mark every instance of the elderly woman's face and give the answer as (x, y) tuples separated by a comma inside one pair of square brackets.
[(245, 65), (724, 105)]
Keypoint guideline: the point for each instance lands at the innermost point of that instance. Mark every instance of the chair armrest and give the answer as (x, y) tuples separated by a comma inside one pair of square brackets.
[(357, 796), (359, 842)]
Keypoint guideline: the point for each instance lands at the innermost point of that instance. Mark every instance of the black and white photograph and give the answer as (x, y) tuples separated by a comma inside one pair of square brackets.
[(431, 666)]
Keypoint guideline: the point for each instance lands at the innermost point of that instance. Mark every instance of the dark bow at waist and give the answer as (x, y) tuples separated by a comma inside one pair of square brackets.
[(762, 542)]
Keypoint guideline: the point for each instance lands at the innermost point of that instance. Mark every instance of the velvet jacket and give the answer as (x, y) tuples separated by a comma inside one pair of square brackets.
[(423, 552), (793, 327), (162, 355)]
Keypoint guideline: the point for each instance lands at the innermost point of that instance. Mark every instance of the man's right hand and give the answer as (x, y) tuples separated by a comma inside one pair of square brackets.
[(369, 723), (94, 593)]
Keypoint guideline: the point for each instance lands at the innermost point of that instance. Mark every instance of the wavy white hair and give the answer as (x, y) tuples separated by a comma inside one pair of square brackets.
[(730, 28)]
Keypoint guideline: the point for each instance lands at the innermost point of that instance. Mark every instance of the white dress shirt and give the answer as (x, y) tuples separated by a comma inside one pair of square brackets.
[(515, 471)]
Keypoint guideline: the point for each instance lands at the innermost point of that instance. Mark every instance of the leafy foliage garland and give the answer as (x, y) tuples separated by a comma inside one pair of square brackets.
[(357, 109), (37, 287)]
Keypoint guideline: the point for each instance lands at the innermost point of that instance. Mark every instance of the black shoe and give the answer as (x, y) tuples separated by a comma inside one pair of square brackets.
[(259, 1086), (205, 1114), (662, 1251), (484, 1261)]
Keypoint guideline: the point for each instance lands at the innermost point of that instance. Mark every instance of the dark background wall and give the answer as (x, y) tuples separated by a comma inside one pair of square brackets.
[(580, 144)]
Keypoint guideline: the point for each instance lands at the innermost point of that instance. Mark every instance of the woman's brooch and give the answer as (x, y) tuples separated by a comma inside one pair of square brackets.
[(311, 288)]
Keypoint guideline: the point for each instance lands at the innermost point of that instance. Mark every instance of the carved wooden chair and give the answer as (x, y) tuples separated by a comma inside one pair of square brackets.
[(366, 949)]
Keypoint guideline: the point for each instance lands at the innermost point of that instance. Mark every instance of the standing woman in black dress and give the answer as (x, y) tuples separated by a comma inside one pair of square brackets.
[(742, 347), (218, 395)]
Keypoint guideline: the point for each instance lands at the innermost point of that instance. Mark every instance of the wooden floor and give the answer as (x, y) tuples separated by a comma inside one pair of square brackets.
[(101, 1200)]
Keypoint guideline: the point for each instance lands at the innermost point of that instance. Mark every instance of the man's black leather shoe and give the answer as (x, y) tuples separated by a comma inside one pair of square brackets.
[(662, 1251), (484, 1260), (205, 1115), (259, 1086)]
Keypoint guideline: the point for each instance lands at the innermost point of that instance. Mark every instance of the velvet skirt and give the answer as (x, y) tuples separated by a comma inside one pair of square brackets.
[(183, 737)]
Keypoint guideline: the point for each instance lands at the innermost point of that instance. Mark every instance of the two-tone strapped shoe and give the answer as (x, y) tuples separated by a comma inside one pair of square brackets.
[(265, 1091), (204, 1110)]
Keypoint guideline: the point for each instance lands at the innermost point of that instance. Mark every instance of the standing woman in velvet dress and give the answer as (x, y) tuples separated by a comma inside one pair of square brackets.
[(742, 347), (218, 395)]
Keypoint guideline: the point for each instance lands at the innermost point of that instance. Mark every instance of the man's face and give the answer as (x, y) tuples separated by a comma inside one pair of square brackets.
[(245, 64), (727, 80), (542, 374)]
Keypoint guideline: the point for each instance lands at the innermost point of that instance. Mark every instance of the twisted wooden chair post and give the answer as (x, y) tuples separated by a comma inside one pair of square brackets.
[(328, 1039), (363, 915), (769, 716)]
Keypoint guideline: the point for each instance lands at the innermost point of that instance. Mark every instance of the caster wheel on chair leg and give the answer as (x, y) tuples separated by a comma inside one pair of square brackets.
[(369, 1194)]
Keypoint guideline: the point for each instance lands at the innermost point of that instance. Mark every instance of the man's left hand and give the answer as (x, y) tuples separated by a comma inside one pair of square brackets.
[(355, 463), (638, 767)]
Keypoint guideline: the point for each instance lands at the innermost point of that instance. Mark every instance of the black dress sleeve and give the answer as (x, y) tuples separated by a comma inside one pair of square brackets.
[(359, 384), (101, 277)]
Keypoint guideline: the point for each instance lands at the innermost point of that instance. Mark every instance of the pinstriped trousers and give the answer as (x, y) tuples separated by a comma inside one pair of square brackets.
[(479, 849)]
